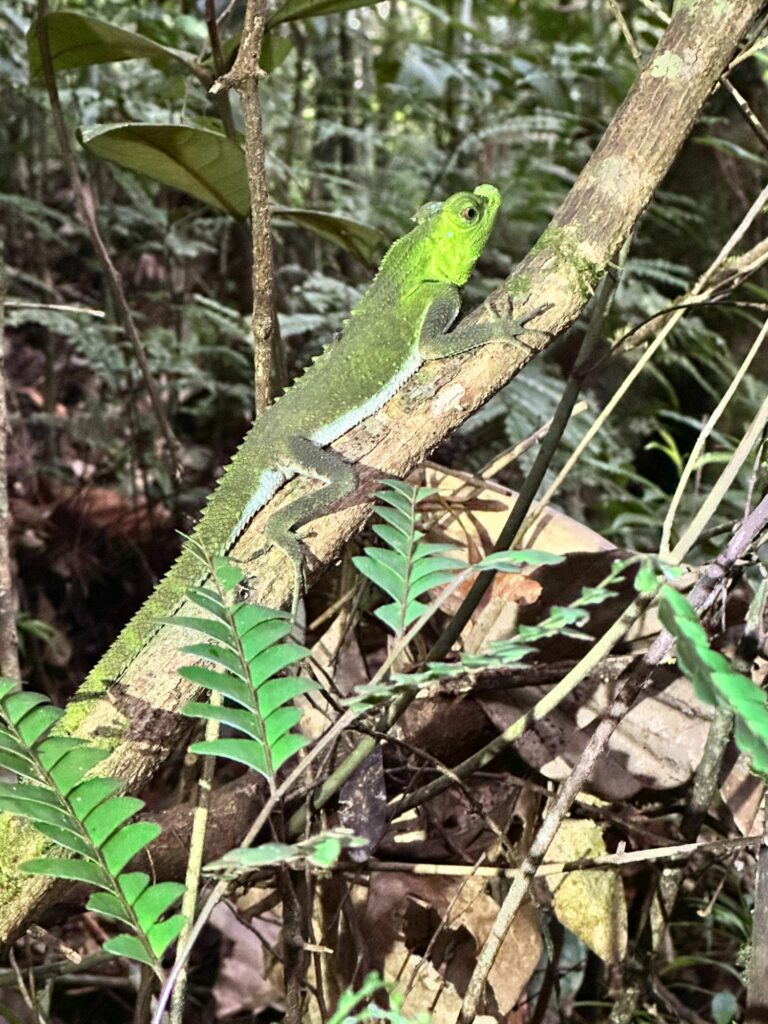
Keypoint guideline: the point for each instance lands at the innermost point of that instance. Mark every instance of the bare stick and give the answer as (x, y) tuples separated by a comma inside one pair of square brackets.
[(9, 640), (87, 214), (244, 76)]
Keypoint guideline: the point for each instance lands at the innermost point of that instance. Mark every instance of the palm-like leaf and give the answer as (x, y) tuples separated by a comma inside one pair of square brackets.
[(410, 565), (247, 650), (87, 818)]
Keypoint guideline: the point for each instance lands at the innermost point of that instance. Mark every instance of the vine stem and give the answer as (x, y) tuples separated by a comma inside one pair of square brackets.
[(87, 214)]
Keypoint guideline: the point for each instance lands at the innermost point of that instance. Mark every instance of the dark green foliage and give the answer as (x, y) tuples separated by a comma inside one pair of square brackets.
[(410, 565), (715, 682), (246, 650), (87, 818), (363, 1004), (321, 851), (561, 621)]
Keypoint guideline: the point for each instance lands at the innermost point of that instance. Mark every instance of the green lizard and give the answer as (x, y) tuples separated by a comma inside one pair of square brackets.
[(400, 323)]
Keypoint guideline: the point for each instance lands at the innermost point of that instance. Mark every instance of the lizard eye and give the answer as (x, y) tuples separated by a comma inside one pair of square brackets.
[(469, 213)]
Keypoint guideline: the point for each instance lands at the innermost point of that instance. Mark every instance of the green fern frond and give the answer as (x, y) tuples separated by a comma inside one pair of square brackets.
[(409, 566), (715, 682), (88, 819), (245, 650), (321, 851)]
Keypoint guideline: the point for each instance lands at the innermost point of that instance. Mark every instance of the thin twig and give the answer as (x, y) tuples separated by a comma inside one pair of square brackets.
[(701, 440), (673, 852), (84, 204), (750, 116), (9, 639), (757, 979), (196, 856), (537, 472), (709, 282), (244, 76), (625, 30), (222, 99)]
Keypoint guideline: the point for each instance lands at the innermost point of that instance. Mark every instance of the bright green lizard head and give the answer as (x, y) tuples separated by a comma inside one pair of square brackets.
[(451, 235)]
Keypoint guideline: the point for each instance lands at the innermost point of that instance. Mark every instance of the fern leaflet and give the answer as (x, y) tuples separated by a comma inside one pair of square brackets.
[(86, 817)]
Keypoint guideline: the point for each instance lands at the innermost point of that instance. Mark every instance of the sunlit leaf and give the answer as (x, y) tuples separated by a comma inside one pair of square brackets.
[(203, 163)]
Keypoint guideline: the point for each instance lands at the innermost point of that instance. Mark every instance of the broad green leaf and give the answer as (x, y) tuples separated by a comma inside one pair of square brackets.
[(291, 10), (390, 615), (286, 747), (26, 767), (646, 580), (78, 40), (110, 906), (53, 749), (107, 818), (36, 811), (365, 243), (205, 164), (249, 616), (67, 839), (246, 858), (163, 934), (268, 664), (266, 635), (122, 847), (274, 50), (280, 722), (326, 852), (7, 687), (389, 580), (247, 752), (91, 793), (393, 535), (208, 627), (60, 867), (429, 563), (71, 769), (276, 692), (208, 599), (217, 655), (133, 884), (226, 572), (512, 561), (37, 722), (29, 791), (131, 947), (19, 704), (403, 522), (244, 721), (12, 745), (221, 682), (430, 581), (154, 902)]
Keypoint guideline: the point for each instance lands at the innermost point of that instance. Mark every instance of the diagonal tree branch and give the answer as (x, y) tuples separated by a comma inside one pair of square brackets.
[(140, 716)]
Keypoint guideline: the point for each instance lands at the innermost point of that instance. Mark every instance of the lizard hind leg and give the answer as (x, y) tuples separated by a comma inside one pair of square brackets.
[(303, 457)]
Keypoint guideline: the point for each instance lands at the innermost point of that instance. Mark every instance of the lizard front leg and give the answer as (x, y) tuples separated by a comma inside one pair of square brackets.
[(303, 457), (436, 343)]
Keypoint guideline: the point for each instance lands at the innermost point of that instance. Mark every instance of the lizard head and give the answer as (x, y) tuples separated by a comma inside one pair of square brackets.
[(457, 230)]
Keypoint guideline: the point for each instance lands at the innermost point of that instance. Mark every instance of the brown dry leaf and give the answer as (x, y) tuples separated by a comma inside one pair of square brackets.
[(406, 911), (658, 744), (242, 984), (743, 794), (589, 903)]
